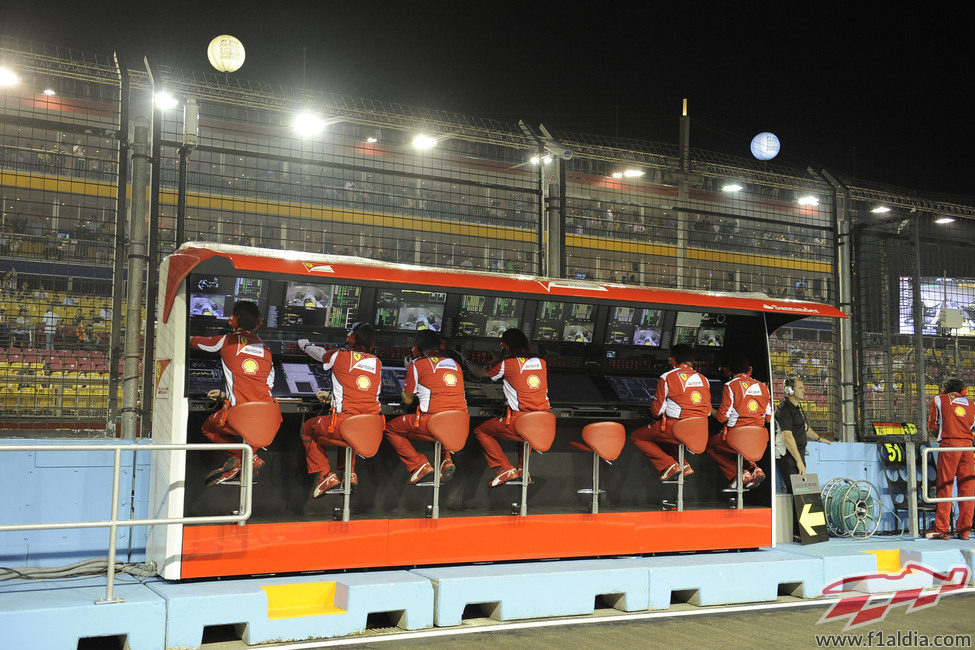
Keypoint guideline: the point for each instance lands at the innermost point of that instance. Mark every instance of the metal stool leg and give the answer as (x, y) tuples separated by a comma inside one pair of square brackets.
[(347, 487), (680, 478), (526, 452), (741, 488), (436, 480), (595, 483)]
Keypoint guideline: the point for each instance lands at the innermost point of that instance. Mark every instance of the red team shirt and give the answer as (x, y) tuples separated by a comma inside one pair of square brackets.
[(525, 382), (438, 382), (356, 379), (247, 368), (745, 402), (682, 393), (952, 416)]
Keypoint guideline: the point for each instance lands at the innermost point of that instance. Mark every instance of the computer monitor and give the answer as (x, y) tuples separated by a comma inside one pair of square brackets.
[(487, 315), (410, 310), (634, 326), (564, 321)]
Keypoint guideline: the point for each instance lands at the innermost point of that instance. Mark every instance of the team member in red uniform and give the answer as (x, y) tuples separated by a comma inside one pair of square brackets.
[(249, 376), (525, 389), (437, 381), (745, 402), (952, 416), (356, 384), (681, 393)]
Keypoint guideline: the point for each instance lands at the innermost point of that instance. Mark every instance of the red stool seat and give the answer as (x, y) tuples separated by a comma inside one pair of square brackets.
[(692, 433), (537, 428), (450, 428), (605, 439), (256, 422), (363, 433), (750, 442)]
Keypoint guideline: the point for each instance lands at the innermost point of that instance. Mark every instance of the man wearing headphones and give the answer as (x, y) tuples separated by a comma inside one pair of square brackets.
[(952, 416), (792, 432), (681, 393), (438, 382), (356, 383), (525, 388), (248, 376), (745, 402)]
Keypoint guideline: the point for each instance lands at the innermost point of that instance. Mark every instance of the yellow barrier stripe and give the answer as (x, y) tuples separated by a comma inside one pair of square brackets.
[(302, 599), (758, 260), (622, 245)]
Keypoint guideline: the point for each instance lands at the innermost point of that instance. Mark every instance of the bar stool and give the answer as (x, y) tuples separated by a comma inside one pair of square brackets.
[(537, 431), (604, 440), (691, 433), (362, 434), (449, 429), (750, 443), (257, 423)]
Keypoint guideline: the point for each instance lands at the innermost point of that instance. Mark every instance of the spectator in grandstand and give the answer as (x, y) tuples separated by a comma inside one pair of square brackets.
[(792, 432), (51, 321), (952, 417), (4, 328), (40, 293), (9, 285), (22, 329), (356, 383), (68, 301), (525, 380), (248, 377), (681, 393), (80, 154), (83, 338), (105, 313), (437, 382), (4, 241)]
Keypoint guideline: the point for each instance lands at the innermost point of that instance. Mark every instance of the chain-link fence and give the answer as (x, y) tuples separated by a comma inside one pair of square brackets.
[(413, 185)]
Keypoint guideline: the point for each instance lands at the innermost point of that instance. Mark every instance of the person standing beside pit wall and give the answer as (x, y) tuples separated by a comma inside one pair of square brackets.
[(952, 416), (792, 432)]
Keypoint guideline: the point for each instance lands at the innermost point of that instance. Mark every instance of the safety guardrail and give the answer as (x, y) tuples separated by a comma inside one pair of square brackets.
[(242, 515), (924, 473)]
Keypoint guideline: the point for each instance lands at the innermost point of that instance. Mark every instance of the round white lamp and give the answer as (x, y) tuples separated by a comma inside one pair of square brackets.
[(765, 146), (226, 53)]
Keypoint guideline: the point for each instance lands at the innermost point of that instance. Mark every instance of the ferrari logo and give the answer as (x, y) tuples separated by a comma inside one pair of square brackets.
[(683, 376), (356, 356)]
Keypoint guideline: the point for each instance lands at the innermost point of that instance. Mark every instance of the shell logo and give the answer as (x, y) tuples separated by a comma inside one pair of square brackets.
[(450, 379), (752, 406), (696, 398), (960, 411), (249, 366), (533, 382), (363, 382)]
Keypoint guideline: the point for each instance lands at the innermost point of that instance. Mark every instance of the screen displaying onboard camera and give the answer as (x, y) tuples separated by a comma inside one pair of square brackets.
[(946, 304), (407, 309), (487, 315), (700, 330), (564, 321), (214, 296), (319, 305), (634, 326)]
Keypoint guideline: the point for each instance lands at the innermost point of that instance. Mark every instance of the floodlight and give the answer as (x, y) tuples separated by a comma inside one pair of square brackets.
[(732, 187), (49, 92), (423, 142), (944, 220), (166, 101), (808, 200), (633, 173), (307, 124), (880, 209), (8, 77)]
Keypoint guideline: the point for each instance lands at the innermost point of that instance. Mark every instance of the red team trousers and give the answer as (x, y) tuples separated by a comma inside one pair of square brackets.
[(488, 433), (400, 431), (658, 443), (216, 430), (319, 433), (960, 465), (726, 458)]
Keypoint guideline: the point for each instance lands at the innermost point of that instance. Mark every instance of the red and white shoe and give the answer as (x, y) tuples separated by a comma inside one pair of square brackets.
[(324, 482), (258, 465), (670, 473), (228, 472), (505, 476), (964, 534), (688, 470), (353, 482), (447, 470), (754, 479), (420, 473), (934, 534)]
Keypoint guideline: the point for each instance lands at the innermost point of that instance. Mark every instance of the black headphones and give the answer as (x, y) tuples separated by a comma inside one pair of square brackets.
[(350, 338), (789, 386)]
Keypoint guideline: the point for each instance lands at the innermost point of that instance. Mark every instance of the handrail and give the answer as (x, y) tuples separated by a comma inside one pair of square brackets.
[(924, 474), (243, 514)]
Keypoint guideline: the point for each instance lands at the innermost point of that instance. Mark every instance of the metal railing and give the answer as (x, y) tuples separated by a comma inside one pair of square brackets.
[(243, 514), (924, 473)]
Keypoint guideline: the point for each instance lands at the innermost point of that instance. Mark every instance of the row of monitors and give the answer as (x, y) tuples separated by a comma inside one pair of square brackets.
[(304, 379), (308, 306)]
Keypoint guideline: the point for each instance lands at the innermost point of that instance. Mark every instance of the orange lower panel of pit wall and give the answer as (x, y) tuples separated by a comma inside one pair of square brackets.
[(319, 546)]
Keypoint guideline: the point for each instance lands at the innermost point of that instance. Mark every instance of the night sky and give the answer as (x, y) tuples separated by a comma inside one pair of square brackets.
[(878, 96)]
